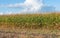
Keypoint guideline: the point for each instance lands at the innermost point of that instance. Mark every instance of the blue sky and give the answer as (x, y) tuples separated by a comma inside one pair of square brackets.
[(15, 6), (11, 1), (55, 3)]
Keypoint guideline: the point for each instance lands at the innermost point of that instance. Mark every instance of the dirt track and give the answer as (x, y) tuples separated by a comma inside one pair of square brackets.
[(4, 34)]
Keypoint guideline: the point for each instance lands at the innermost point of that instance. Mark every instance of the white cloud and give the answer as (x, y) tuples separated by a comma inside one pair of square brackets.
[(32, 5), (4, 13), (1, 13), (28, 5)]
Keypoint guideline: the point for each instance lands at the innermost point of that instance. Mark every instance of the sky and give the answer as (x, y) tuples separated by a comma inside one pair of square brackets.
[(21, 6)]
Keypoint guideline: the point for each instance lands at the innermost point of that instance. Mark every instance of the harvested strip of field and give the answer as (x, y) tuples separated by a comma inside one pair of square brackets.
[(27, 34)]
